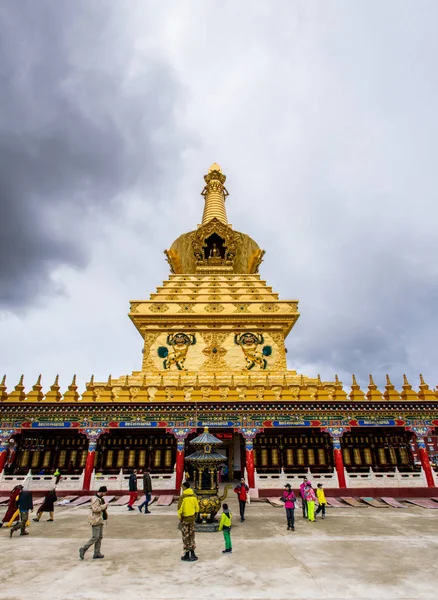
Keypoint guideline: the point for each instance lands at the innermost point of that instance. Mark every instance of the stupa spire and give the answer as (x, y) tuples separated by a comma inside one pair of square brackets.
[(214, 194)]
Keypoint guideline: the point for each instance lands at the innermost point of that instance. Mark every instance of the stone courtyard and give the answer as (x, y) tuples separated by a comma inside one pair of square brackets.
[(356, 553)]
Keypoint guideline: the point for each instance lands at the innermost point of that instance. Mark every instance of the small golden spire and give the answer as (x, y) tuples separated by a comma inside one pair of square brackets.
[(372, 385), (319, 381), (214, 194), (3, 381), (73, 387), (355, 386), (337, 384), (126, 381), (39, 380), (56, 382), (422, 384), (389, 385), (406, 383), (90, 385), (21, 380)]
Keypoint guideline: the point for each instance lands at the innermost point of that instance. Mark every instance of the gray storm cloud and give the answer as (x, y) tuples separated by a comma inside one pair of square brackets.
[(80, 124)]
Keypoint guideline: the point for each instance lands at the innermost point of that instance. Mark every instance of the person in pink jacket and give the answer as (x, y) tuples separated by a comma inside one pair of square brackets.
[(303, 497), (289, 504), (310, 500)]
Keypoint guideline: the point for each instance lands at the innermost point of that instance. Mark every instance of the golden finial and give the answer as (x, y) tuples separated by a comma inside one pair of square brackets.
[(337, 384), (39, 380), (214, 194), (389, 385), (355, 385), (90, 385), (421, 380), (126, 381), (302, 381), (372, 385), (21, 380), (56, 380), (108, 383), (73, 387), (405, 380), (3, 381)]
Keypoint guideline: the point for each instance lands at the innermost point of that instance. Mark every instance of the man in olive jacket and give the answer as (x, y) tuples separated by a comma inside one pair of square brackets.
[(98, 514), (188, 509)]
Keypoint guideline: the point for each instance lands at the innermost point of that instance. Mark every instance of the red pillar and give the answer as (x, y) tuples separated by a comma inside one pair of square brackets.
[(339, 464), (336, 434), (250, 462), (180, 454), (180, 433), (421, 432), (89, 466), (92, 435), (7, 447), (3, 455), (424, 457)]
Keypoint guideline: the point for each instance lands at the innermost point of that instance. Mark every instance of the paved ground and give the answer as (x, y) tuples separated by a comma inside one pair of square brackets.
[(354, 553)]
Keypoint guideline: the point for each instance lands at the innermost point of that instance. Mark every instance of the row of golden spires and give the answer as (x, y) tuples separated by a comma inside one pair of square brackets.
[(315, 390)]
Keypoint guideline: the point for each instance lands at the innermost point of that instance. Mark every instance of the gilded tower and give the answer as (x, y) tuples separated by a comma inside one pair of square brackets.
[(214, 314)]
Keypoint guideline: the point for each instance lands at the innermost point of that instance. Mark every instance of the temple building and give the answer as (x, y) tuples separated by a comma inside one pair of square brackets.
[(214, 356)]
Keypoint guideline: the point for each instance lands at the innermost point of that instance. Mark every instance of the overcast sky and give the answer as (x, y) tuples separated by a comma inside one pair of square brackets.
[(323, 116)]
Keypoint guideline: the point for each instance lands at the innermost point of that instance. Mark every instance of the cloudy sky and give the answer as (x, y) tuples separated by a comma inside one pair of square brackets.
[(323, 115)]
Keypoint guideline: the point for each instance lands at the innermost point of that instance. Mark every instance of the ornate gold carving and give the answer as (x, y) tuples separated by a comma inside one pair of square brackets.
[(242, 307), (214, 308), (215, 297), (269, 307), (157, 307), (293, 305), (134, 306), (186, 308)]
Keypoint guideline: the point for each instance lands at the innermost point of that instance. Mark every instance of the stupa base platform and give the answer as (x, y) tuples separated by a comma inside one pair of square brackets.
[(207, 527)]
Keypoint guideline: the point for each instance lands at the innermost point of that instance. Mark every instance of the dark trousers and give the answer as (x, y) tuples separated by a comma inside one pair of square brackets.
[(242, 505), (304, 503), (147, 499), (290, 515), (321, 508)]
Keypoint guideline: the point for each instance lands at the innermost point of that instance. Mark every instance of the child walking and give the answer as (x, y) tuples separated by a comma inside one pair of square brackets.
[(321, 500), (225, 527), (310, 499)]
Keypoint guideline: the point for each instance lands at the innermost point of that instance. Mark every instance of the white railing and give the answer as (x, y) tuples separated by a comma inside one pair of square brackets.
[(371, 479), (160, 481), (279, 480), (395, 479), (41, 482)]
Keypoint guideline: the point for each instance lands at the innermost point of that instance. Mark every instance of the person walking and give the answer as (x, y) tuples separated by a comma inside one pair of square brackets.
[(289, 504), (47, 506), (188, 509), (12, 505), (25, 506), (147, 488), (98, 514), (320, 494), (242, 494), (310, 500), (132, 489), (303, 497), (225, 527)]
